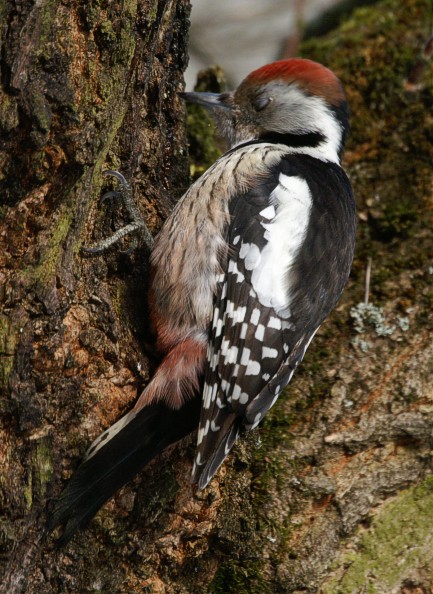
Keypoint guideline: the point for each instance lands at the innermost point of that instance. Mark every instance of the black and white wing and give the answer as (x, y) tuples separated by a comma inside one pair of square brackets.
[(284, 274)]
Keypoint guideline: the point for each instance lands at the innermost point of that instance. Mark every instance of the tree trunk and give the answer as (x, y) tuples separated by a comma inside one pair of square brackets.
[(333, 493)]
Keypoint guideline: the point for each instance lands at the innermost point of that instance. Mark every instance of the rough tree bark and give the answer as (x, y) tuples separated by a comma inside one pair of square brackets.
[(333, 493)]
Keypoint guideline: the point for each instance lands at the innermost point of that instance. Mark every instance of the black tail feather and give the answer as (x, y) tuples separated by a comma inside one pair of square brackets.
[(153, 429), (218, 455)]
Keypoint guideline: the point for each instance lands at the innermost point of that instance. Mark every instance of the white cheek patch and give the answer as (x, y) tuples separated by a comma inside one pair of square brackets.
[(285, 234)]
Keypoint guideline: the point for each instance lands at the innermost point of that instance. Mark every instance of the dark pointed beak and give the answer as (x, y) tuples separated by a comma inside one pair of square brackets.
[(208, 100)]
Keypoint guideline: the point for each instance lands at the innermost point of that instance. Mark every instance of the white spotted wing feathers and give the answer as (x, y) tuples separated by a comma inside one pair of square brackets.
[(254, 347)]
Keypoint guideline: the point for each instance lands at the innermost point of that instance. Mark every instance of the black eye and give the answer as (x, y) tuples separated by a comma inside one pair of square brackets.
[(261, 102)]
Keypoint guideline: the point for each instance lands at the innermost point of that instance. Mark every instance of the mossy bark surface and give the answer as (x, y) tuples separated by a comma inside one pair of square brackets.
[(334, 493)]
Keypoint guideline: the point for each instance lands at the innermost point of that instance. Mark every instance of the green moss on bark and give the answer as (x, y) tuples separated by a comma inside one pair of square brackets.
[(398, 543), (7, 350), (236, 577)]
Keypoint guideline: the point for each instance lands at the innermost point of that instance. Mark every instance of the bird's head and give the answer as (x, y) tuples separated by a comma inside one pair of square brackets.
[(296, 102)]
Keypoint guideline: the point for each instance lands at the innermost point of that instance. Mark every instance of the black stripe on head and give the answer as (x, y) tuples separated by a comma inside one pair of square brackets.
[(310, 140)]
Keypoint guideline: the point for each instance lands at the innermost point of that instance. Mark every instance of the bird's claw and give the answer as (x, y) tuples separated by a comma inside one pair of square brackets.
[(136, 227), (109, 195), (119, 176)]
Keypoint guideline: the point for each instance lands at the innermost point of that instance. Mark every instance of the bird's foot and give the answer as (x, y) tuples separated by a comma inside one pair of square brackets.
[(136, 227)]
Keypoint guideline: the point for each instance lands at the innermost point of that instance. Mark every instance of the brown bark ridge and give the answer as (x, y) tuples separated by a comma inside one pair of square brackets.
[(333, 493)]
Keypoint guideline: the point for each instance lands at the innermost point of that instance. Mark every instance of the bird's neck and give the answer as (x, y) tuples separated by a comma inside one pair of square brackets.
[(314, 144)]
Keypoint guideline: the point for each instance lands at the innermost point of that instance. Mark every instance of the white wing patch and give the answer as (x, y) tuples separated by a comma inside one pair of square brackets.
[(285, 233), (250, 253), (268, 212), (253, 310)]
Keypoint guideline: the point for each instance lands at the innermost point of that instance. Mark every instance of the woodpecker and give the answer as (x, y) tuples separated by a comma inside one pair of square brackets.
[(249, 264)]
